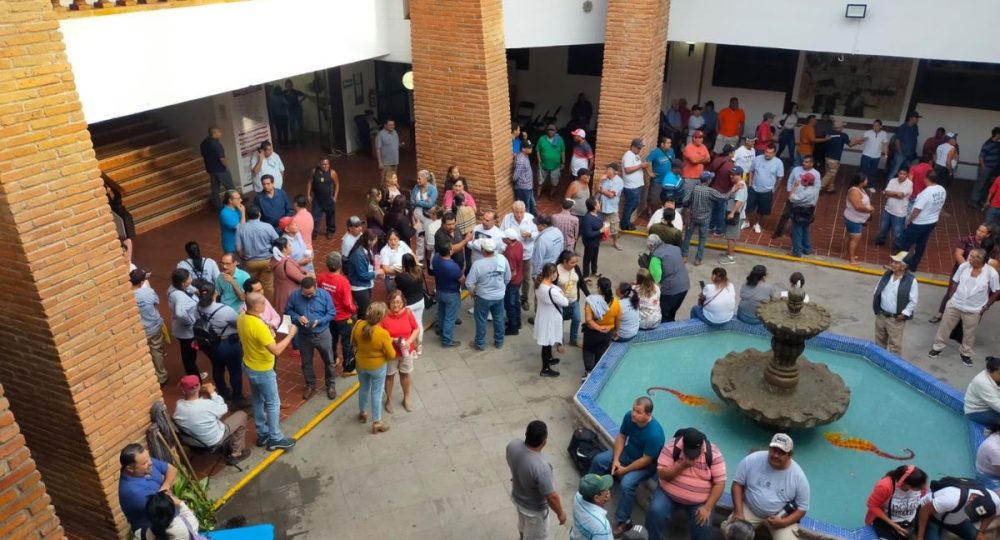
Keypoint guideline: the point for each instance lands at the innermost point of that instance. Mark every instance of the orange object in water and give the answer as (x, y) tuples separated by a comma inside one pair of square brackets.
[(687, 399), (836, 438)]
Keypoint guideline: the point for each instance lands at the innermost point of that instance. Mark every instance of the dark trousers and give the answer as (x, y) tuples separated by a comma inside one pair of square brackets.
[(281, 128), (590, 258), (512, 306), (341, 332), (320, 342), (669, 304), (594, 345), (189, 356), (219, 181), (324, 205), (914, 235), (228, 356), (546, 356), (362, 299)]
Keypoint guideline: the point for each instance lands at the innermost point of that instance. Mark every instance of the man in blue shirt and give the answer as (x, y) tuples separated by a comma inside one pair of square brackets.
[(662, 186), (272, 201), (905, 144), (487, 284), (448, 279), (253, 244), (230, 282), (231, 216), (633, 458), (311, 309), (141, 477)]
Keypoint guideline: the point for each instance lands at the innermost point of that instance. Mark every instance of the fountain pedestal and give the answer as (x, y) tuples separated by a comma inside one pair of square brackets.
[(779, 389)]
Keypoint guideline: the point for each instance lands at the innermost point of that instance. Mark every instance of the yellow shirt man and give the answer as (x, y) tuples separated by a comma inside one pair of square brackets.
[(255, 336)]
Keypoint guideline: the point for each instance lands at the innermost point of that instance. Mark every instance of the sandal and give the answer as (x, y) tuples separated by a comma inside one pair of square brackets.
[(363, 417), (379, 427), (935, 319), (406, 406)]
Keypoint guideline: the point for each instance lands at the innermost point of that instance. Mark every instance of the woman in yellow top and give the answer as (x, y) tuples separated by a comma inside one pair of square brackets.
[(372, 349), (603, 316)]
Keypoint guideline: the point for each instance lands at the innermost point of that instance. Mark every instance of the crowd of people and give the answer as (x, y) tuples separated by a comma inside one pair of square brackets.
[(265, 295)]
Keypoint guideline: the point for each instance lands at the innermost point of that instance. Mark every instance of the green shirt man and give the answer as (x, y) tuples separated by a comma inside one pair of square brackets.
[(551, 150)]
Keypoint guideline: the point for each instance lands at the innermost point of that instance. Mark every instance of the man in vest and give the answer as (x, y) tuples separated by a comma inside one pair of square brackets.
[(894, 302)]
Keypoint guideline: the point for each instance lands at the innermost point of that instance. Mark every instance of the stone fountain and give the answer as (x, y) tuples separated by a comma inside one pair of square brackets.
[(779, 388)]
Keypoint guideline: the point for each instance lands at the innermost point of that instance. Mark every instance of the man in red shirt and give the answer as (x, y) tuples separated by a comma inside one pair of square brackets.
[(514, 252), (992, 204), (336, 283), (918, 173)]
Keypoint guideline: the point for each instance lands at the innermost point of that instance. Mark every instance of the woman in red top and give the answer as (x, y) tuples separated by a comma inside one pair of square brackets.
[(404, 329), (893, 503)]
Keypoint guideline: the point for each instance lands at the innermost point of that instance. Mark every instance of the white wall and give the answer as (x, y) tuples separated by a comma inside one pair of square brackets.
[(126, 63), (961, 30), (534, 23)]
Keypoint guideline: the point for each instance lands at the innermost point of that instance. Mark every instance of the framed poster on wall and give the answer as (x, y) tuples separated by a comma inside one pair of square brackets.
[(855, 86)]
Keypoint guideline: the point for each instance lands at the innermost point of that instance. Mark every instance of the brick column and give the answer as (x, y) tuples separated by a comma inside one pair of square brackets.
[(75, 364), (24, 506), (632, 80), (461, 99)]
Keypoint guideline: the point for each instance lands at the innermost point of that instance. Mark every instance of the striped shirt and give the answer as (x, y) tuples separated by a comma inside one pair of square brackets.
[(590, 522), (692, 485)]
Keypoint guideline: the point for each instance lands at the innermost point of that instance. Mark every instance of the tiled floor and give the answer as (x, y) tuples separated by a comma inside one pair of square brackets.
[(159, 250)]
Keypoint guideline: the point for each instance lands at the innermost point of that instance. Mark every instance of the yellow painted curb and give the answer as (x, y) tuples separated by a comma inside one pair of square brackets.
[(814, 262)]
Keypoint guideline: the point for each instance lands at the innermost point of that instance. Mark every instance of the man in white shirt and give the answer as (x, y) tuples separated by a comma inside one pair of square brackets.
[(897, 197), (633, 180), (976, 286), (200, 419), (695, 122), (895, 301), (949, 506), (266, 161), (487, 228), (523, 222), (982, 396), (743, 156), (354, 229), (921, 222), (875, 144)]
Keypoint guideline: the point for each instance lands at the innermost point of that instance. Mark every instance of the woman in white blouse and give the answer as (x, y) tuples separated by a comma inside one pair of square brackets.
[(717, 302), (391, 258), (550, 301)]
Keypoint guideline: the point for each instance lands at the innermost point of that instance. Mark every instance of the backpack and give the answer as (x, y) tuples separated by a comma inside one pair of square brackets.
[(678, 435), (584, 445), (206, 336), (978, 509)]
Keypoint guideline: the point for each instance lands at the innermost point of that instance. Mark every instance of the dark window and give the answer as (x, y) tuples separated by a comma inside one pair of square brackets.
[(585, 60), (958, 84), (521, 58), (758, 68)]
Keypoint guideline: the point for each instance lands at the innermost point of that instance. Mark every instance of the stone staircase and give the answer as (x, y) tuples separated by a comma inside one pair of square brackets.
[(162, 179)]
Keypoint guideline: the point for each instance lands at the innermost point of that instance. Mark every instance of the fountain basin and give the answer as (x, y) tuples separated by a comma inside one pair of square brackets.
[(894, 406)]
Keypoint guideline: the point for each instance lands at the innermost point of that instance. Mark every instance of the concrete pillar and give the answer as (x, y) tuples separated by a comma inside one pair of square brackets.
[(632, 80), (75, 363), (461, 99)]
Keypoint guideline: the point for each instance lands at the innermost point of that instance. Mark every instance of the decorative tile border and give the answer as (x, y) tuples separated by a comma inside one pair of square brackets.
[(586, 397)]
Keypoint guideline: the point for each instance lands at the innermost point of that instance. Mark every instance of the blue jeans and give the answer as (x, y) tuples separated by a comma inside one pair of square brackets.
[(698, 312), (527, 196), (797, 160), (718, 224), (628, 483), (748, 318), (266, 403), (786, 139), (964, 530), (630, 203), (372, 383), (869, 167), (571, 313), (512, 305), (448, 304), (897, 223), (898, 159), (494, 308), (228, 356), (702, 227), (801, 242), (914, 235), (993, 216), (661, 508), (986, 418)]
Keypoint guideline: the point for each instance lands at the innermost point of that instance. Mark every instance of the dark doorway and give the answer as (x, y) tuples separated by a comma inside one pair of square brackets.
[(393, 97)]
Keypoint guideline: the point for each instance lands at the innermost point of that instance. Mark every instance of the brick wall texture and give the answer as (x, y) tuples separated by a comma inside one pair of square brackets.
[(631, 86), (75, 365), (25, 509), (461, 99)]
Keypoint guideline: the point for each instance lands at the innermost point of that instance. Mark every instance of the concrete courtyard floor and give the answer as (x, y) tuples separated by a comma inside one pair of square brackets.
[(440, 471)]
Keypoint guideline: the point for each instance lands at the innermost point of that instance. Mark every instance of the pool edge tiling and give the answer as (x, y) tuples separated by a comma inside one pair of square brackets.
[(586, 396)]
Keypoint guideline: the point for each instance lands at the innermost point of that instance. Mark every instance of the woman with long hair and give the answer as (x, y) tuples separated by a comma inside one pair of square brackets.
[(628, 299), (391, 258), (569, 278), (548, 331), (602, 314), (459, 187), (786, 138), (399, 219), (752, 293), (373, 348), (374, 216), (423, 197), (894, 502), (451, 176), (169, 519), (201, 268), (648, 293), (404, 329), (361, 271), (717, 301), (182, 299), (857, 211), (410, 282), (288, 273), (228, 354)]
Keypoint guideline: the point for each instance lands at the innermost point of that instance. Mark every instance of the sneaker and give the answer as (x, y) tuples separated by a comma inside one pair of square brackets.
[(478, 347), (308, 393), (283, 444), (548, 372), (756, 228), (261, 441), (727, 259), (451, 345), (966, 360), (331, 393), (744, 225), (585, 377), (498, 345), (933, 354), (554, 361), (471, 311)]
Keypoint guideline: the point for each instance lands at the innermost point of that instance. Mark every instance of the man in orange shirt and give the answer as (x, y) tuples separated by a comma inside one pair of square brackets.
[(696, 156), (731, 122), (807, 140)]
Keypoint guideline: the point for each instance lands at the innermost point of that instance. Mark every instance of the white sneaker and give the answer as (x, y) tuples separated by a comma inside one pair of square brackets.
[(744, 225), (756, 228), (726, 259)]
